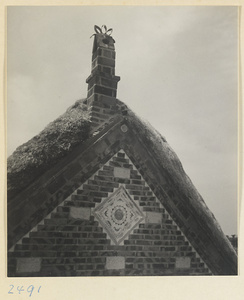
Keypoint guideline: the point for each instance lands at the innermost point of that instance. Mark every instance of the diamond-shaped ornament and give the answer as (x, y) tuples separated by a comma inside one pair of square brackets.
[(118, 215)]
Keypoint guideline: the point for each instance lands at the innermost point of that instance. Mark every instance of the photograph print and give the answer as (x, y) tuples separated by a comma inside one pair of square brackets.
[(122, 141)]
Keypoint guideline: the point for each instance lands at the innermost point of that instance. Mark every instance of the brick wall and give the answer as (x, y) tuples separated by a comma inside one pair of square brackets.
[(72, 240)]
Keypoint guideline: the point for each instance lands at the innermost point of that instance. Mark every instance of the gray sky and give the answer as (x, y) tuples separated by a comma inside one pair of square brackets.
[(178, 68)]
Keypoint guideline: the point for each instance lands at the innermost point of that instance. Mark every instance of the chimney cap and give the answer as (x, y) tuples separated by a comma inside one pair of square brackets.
[(103, 38)]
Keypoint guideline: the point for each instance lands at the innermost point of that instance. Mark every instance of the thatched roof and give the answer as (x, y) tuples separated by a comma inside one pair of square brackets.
[(60, 137), (167, 159), (36, 156)]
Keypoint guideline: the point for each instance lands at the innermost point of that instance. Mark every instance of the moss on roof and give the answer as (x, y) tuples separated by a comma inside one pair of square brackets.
[(33, 158)]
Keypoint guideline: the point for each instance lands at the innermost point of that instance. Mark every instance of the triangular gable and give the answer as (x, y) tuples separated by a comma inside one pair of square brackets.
[(113, 211)]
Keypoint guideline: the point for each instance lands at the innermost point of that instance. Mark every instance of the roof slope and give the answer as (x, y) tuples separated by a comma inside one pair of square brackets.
[(166, 159)]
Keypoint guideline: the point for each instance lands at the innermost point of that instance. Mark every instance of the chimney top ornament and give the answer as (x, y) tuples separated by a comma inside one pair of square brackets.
[(102, 30)]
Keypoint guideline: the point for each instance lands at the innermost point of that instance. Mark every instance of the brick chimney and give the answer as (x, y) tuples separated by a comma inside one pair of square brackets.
[(102, 83)]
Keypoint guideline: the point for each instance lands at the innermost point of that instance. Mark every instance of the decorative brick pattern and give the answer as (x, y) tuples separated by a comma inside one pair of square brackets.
[(118, 215), (78, 246)]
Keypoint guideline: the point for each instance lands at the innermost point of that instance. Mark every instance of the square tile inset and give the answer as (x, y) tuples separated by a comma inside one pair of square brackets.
[(115, 262), (183, 262), (28, 264), (121, 172), (118, 215), (82, 213)]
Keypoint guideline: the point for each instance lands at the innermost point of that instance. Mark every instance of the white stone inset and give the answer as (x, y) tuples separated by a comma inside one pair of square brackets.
[(28, 264), (83, 213), (121, 172), (183, 262), (118, 215), (115, 262), (153, 217)]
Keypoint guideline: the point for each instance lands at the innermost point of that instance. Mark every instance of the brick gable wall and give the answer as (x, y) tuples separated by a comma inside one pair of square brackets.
[(72, 242)]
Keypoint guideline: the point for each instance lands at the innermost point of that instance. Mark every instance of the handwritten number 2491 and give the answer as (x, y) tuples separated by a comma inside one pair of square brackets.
[(20, 289)]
